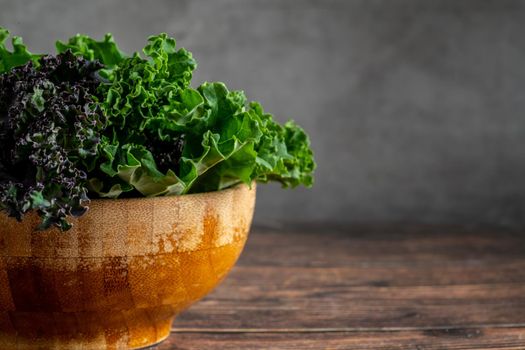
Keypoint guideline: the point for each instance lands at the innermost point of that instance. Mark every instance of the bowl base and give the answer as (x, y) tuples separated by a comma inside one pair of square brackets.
[(129, 329)]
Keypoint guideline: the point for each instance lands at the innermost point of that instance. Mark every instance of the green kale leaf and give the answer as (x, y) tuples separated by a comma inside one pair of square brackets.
[(105, 51), (165, 137), (19, 56)]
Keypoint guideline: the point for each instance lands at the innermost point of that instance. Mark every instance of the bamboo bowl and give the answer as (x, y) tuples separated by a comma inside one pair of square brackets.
[(118, 278)]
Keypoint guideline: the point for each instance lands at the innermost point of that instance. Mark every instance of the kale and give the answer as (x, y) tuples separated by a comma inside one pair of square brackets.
[(95, 122), (19, 56), (166, 138), (50, 127)]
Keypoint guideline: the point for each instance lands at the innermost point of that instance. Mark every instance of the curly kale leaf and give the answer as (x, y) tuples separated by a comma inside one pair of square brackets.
[(19, 56), (150, 108), (105, 51), (165, 137), (50, 129)]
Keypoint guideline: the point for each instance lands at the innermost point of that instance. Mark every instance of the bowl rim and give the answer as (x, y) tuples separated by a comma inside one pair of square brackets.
[(236, 187)]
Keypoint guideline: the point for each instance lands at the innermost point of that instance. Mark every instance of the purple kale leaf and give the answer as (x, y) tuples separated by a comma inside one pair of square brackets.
[(50, 126)]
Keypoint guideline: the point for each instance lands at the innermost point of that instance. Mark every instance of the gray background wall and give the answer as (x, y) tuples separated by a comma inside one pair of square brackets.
[(415, 108)]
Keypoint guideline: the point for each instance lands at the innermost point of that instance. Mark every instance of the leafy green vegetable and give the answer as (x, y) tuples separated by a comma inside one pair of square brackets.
[(49, 130), (224, 140), (155, 134), (105, 51), (19, 56)]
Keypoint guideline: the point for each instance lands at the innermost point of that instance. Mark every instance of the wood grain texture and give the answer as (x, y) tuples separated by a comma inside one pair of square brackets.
[(369, 287), (403, 340)]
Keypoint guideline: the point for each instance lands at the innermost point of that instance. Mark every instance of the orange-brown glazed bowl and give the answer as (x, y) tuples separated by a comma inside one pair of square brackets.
[(118, 278)]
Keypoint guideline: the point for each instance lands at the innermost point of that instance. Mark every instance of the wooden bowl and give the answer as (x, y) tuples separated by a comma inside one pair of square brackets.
[(118, 278)]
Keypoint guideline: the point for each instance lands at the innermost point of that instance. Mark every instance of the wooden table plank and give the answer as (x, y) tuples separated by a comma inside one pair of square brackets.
[(506, 338), (338, 288)]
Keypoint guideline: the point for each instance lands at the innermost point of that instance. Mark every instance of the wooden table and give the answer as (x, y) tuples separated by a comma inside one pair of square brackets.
[(369, 287)]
